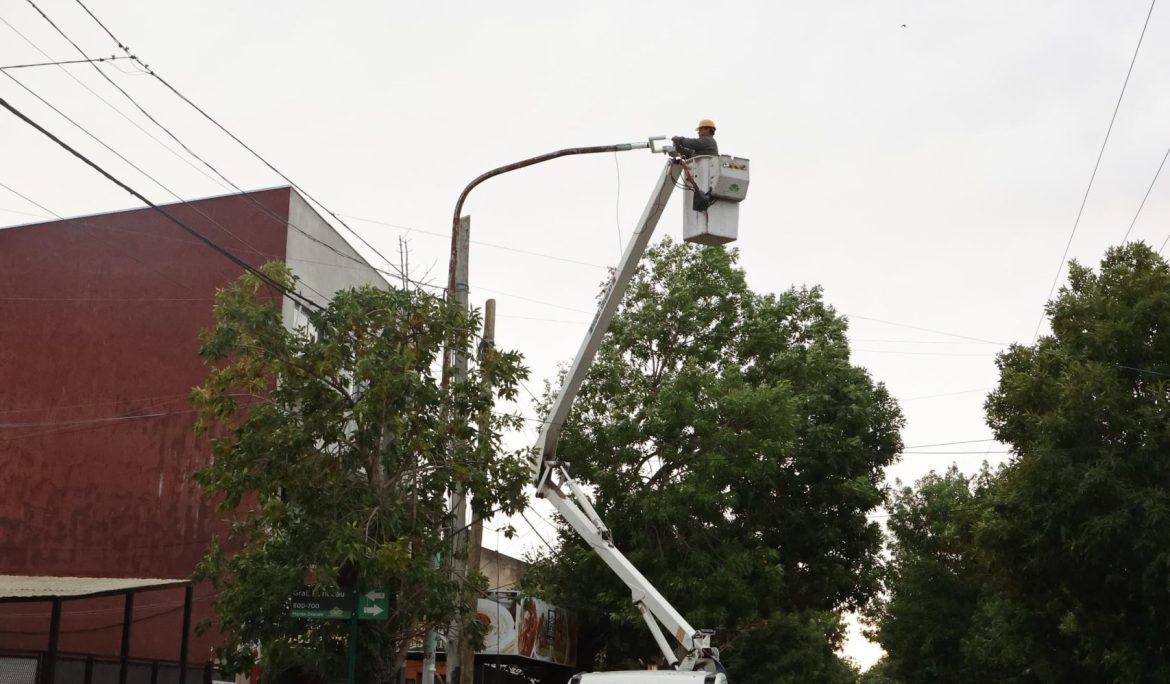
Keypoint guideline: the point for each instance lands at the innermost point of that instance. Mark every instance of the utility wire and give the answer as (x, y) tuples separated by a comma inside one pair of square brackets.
[(28, 199), (118, 247), (617, 204), (944, 394), (917, 353), (91, 421), (1147, 196), (1096, 166), (965, 441), (142, 171), (22, 213), (67, 61), (411, 229), (246, 196), (555, 553), (235, 138), (264, 277), (109, 104), (120, 300), (132, 165), (930, 330)]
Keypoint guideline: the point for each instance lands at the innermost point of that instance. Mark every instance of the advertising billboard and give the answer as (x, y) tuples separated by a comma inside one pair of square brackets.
[(528, 627)]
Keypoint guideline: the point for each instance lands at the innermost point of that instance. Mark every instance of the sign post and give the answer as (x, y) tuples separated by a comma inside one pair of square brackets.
[(351, 665), (341, 605)]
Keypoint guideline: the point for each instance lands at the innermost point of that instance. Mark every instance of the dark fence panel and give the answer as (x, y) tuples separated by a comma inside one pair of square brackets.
[(72, 668)]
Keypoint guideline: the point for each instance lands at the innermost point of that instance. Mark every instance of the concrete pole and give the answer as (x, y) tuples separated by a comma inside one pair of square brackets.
[(475, 542), (457, 368)]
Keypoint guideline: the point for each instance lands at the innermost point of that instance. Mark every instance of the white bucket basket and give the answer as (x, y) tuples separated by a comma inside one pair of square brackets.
[(725, 181)]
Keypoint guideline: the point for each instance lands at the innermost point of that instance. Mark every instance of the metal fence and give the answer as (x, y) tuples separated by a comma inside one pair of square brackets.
[(27, 668)]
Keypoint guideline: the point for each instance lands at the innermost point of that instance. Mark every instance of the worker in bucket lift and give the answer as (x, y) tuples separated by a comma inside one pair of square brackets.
[(702, 146)]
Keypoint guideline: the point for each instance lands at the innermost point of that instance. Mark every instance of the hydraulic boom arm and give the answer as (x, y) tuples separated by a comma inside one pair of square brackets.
[(554, 483)]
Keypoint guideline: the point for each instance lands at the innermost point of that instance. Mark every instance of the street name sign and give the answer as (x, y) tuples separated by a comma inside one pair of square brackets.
[(338, 605)]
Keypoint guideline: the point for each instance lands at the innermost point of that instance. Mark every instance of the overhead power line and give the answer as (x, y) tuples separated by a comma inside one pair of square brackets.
[(223, 180), (940, 444), (235, 138), (1146, 197), (543, 255), (117, 246), (92, 60), (264, 277), (1096, 166), (132, 165), (109, 104), (929, 330)]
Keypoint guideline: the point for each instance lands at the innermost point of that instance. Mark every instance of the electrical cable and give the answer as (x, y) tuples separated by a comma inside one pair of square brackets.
[(534, 301), (121, 300), (617, 205), (28, 199), (914, 353), (555, 553), (945, 394), (447, 236), (87, 60), (889, 341), (117, 247), (1096, 166), (165, 399), (235, 138), (229, 184), (109, 104), (292, 294), (92, 421), (132, 165), (22, 213), (543, 320), (965, 441), (1147, 196), (929, 330)]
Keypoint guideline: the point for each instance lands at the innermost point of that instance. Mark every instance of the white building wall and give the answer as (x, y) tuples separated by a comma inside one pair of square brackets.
[(321, 258)]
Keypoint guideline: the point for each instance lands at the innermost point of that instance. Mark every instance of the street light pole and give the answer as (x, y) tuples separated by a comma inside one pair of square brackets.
[(455, 363), (597, 149)]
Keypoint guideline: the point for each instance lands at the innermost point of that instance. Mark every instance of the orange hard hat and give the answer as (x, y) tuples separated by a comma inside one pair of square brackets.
[(705, 123)]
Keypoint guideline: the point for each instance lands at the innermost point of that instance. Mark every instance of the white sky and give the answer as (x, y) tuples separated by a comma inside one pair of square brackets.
[(927, 175)]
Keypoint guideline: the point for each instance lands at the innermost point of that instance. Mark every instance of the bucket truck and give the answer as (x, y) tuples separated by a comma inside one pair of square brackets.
[(714, 186)]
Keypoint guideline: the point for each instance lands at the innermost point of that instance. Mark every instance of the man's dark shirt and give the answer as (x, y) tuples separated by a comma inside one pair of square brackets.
[(700, 147)]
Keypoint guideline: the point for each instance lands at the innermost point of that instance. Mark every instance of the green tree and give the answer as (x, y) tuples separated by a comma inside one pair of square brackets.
[(332, 449), (939, 620), (1081, 535), (878, 673), (734, 450)]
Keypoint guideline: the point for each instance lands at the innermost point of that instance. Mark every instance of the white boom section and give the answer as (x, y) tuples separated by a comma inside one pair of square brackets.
[(550, 432), (655, 608), (554, 482)]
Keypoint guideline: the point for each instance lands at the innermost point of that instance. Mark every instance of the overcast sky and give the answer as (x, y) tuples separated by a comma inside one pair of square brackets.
[(922, 161)]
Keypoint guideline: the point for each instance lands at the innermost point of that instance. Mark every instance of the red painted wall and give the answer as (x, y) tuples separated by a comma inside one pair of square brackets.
[(99, 323)]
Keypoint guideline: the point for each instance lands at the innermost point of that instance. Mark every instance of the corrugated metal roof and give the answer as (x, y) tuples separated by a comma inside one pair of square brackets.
[(33, 587)]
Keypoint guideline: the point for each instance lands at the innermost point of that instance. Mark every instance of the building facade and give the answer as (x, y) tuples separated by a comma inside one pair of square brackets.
[(99, 325)]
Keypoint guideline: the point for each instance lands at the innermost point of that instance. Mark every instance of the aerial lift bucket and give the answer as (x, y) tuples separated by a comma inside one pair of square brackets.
[(715, 187)]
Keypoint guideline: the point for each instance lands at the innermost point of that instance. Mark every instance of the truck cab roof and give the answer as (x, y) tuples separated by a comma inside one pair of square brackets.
[(650, 677)]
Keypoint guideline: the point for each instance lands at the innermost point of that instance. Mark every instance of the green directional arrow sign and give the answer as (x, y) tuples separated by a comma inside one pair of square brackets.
[(373, 605)]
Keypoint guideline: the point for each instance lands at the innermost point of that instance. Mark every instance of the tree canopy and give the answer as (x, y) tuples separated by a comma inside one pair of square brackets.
[(1080, 534), (1057, 567), (333, 447), (734, 450), (939, 620)]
